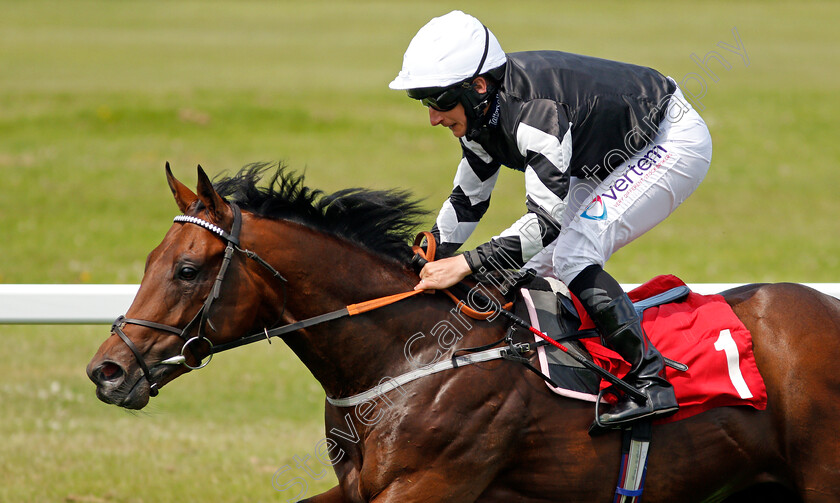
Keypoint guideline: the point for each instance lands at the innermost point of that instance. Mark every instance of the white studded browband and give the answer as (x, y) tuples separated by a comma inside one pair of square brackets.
[(203, 223)]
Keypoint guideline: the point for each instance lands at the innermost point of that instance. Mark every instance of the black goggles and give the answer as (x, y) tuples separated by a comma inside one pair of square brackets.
[(442, 100)]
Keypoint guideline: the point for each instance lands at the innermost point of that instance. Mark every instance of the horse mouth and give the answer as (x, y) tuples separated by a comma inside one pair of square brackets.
[(135, 397), (132, 391)]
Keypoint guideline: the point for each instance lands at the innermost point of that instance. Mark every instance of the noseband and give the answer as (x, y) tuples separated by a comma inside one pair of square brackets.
[(202, 317)]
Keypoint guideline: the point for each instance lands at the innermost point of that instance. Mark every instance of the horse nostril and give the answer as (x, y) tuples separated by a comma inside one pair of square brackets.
[(110, 371)]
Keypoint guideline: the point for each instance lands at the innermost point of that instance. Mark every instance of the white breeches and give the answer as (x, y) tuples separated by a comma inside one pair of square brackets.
[(603, 215)]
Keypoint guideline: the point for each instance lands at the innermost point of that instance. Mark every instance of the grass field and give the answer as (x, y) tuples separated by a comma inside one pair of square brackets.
[(96, 96)]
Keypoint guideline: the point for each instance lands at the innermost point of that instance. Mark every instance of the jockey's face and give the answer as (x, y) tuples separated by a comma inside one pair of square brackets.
[(455, 119)]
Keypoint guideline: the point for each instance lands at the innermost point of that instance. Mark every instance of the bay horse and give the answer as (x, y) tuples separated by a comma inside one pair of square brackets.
[(489, 432)]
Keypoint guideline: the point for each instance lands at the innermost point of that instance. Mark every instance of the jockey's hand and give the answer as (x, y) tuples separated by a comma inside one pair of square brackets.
[(443, 273)]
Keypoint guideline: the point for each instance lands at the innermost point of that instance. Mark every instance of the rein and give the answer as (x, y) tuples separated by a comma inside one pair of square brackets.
[(202, 317)]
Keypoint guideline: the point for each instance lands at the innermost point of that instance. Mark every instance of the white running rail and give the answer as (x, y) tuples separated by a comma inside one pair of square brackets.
[(101, 304)]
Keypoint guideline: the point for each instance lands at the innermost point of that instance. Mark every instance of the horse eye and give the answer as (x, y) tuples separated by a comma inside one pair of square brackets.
[(187, 273)]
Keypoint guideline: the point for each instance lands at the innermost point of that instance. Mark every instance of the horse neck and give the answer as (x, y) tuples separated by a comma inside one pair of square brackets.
[(326, 273)]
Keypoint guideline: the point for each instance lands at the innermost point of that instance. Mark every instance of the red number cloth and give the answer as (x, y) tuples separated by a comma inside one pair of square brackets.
[(697, 331)]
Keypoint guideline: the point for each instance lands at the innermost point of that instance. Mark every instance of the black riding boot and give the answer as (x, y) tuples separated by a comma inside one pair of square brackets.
[(621, 330)]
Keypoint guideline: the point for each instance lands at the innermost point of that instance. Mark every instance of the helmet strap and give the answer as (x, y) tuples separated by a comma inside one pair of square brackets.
[(483, 56), (475, 103), (477, 109)]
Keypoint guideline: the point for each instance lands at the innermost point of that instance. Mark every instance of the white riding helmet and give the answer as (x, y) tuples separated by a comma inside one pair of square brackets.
[(448, 50)]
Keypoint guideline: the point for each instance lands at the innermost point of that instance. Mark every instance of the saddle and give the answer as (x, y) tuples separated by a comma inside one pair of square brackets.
[(699, 335)]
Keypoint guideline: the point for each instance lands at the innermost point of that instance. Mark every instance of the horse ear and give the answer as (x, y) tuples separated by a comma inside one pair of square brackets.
[(217, 207), (184, 197)]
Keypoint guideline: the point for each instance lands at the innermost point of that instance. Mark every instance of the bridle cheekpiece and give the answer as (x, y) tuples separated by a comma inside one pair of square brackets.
[(201, 318)]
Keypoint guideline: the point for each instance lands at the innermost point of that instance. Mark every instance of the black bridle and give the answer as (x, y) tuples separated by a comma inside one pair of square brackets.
[(202, 317)]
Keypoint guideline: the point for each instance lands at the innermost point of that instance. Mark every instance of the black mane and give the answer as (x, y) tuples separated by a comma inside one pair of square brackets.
[(383, 221)]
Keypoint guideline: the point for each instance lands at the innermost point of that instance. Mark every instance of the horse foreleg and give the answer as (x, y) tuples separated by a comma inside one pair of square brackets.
[(334, 495)]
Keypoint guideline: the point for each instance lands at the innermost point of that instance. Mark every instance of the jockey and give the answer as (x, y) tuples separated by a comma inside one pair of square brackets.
[(608, 149)]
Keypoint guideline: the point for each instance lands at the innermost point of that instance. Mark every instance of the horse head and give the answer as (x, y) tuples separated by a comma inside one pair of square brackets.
[(204, 289), (185, 302)]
